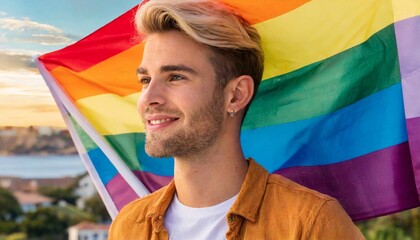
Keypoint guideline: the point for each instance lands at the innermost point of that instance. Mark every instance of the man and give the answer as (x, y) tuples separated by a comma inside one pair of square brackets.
[(201, 66)]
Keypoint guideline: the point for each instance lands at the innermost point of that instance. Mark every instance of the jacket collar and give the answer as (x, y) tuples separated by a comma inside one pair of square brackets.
[(246, 205), (252, 192), (158, 208)]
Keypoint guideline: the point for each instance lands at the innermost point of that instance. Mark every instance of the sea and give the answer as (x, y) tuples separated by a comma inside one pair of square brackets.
[(51, 166)]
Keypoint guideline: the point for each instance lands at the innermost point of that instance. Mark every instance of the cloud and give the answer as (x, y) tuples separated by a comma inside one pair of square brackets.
[(3, 37), (25, 100), (46, 108), (30, 115), (13, 24), (24, 97), (11, 60), (50, 39), (24, 86), (26, 30)]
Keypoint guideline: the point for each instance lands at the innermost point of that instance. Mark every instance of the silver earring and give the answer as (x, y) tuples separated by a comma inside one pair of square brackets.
[(232, 113)]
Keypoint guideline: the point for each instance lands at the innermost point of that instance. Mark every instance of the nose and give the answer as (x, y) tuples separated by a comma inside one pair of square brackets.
[(151, 95)]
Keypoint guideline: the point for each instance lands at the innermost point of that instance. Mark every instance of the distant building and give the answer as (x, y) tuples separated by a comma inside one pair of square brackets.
[(85, 189), (6, 182), (88, 231), (8, 132), (31, 201), (24, 184), (35, 141), (45, 131)]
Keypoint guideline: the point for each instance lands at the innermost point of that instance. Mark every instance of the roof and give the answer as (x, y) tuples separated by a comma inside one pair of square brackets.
[(91, 226), (31, 198), (23, 184)]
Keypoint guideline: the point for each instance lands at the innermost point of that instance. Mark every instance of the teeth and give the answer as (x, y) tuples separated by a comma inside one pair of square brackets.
[(159, 121)]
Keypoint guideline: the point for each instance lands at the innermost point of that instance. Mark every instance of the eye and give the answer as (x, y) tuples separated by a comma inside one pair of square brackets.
[(176, 77), (145, 80)]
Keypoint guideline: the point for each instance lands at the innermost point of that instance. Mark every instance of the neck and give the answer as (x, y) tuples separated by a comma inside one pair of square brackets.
[(210, 177)]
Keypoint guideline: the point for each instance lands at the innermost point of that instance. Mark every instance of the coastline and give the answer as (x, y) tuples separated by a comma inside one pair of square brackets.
[(49, 166)]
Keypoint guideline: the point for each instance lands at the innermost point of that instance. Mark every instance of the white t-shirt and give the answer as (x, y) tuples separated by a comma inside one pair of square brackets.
[(183, 222)]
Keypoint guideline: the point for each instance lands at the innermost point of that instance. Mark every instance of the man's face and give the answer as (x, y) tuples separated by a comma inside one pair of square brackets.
[(181, 107)]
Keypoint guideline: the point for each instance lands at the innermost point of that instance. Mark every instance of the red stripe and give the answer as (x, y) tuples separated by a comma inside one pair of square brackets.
[(111, 39), (120, 35)]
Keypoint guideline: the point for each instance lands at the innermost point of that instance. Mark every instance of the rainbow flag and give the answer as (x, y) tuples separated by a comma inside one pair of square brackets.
[(338, 109)]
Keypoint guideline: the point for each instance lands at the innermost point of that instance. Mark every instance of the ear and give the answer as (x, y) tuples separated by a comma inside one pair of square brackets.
[(239, 93)]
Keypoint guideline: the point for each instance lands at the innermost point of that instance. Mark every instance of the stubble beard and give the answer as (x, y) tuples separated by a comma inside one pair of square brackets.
[(203, 128)]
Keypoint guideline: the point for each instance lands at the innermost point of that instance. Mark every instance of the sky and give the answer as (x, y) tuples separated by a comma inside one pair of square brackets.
[(30, 28)]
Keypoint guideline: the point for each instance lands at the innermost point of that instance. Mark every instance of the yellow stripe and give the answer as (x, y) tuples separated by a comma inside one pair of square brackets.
[(315, 31), (318, 30), (405, 9), (111, 114), (311, 33)]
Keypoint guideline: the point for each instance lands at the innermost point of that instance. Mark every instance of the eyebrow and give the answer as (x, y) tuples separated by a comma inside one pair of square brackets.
[(169, 68)]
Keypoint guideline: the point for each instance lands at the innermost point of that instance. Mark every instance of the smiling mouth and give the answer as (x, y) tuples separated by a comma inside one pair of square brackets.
[(161, 121)]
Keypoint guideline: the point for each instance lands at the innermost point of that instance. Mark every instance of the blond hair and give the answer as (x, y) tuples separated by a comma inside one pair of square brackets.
[(235, 45)]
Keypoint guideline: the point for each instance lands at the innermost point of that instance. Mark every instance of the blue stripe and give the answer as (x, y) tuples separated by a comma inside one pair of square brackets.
[(103, 166), (371, 124), (158, 166)]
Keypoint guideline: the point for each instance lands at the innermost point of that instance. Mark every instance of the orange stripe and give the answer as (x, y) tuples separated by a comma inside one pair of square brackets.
[(101, 78), (121, 31), (259, 11)]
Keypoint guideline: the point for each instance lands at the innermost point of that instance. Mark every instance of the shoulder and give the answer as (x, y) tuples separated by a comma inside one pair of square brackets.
[(136, 217), (142, 206), (294, 200), (281, 185), (317, 213)]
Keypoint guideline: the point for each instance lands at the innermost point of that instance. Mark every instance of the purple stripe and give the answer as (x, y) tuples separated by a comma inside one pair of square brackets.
[(121, 193), (413, 128), (372, 185), (152, 181), (408, 35), (411, 94)]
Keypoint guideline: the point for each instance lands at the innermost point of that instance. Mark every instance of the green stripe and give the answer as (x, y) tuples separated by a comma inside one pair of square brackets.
[(130, 146), (87, 142), (125, 145), (328, 85)]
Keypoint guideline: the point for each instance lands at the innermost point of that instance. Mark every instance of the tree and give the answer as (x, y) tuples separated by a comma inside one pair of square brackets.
[(58, 194), (96, 207), (52, 222), (404, 225), (10, 208), (9, 211), (45, 224)]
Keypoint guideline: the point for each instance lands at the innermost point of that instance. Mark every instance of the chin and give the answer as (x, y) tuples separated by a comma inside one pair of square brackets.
[(156, 154)]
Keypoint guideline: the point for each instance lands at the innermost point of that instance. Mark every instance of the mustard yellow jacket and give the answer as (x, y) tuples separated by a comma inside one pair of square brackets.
[(267, 207)]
